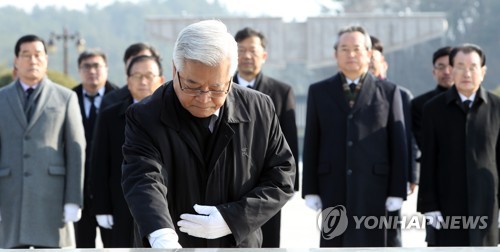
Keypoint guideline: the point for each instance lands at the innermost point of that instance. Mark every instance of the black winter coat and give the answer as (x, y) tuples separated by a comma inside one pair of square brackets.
[(460, 166), (164, 174), (355, 157)]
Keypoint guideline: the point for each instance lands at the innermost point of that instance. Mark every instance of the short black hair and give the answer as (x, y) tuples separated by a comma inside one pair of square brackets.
[(468, 48), (377, 44), (27, 39), (144, 58), (91, 53), (136, 48), (441, 52), (248, 32)]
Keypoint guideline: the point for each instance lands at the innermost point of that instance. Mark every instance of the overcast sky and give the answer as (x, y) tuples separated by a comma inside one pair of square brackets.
[(295, 9)]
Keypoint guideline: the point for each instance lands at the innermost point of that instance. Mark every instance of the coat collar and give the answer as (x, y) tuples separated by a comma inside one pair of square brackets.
[(453, 97), (260, 82), (17, 106), (364, 95), (234, 112)]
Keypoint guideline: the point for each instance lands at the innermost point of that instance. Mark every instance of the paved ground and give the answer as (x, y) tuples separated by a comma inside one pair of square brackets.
[(299, 230)]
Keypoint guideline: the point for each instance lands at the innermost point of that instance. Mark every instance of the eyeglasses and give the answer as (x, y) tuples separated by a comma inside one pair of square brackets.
[(197, 91), (252, 51), (88, 67), (442, 67), (463, 69), (37, 56), (138, 77)]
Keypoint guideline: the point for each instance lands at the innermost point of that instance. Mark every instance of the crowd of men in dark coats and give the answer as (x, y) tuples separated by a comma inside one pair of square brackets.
[(158, 158)]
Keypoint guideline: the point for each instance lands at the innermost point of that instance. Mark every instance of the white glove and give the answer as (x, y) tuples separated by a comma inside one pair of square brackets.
[(209, 224), (393, 203), (164, 238), (105, 220), (72, 212), (435, 218), (313, 201), (498, 219)]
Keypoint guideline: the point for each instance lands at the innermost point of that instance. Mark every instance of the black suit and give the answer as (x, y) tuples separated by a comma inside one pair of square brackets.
[(417, 110), (460, 166), (85, 228), (114, 97), (284, 103), (106, 172), (352, 156)]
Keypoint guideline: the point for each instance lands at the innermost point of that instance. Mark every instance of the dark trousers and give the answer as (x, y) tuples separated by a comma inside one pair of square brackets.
[(271, 232), (394, 234), (85, 228)]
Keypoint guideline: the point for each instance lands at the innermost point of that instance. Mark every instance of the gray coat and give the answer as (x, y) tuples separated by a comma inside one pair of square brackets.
[(41, 164)]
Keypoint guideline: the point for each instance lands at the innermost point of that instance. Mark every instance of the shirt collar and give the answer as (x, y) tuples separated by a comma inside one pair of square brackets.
[(26, 86), (245, 83), (464, 98), (100, 91), (356, 81)]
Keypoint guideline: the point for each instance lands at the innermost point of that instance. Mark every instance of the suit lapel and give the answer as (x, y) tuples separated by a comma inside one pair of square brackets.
[(79, 93), (365, 93), (234, 114), (16, 104), (336, 91), (42, 102)]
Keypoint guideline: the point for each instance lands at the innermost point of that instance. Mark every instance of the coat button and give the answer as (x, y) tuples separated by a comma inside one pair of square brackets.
[(26, 155), (349, 143), (349, 172), (27, 138), (350, 116), (27, 174)]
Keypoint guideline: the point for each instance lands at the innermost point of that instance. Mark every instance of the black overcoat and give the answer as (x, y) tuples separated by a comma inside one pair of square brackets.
[(106, 172), (284, 102), (164, 174), (459, 173), (355, 157)]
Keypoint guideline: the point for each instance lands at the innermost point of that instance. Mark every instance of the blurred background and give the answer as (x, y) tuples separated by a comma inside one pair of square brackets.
[(300, 33)]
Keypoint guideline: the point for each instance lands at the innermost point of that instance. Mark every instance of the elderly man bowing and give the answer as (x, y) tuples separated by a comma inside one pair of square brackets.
[(205, 161)]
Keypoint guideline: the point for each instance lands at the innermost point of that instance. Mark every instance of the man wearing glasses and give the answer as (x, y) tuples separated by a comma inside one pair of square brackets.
[(93, 70), (41, 153), (205, 162), (144, 77)]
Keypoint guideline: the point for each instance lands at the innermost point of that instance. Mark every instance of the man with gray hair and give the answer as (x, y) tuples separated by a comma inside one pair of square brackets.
[(354, 144), (205, 162)]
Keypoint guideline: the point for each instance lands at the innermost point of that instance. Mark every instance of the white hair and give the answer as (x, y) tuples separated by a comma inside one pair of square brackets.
[(207, 42)]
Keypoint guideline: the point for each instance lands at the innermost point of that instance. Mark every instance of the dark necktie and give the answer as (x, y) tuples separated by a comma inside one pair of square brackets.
[(27, 107), (29, 91), (352, 87), (92, 115), (466, 105)]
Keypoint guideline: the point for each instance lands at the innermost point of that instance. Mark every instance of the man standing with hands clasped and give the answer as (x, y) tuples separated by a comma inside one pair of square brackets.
[(205, 161), (42, 152), (461, 150), (353, 143)]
